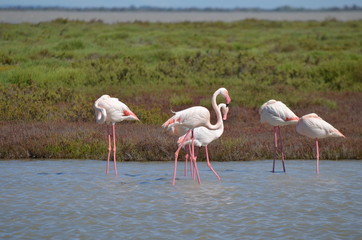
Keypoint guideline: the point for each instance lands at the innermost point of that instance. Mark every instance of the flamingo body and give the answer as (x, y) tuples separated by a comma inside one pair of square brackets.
[(202, 136), (277, 114), (313, 126), (110, 110), (189, 118)]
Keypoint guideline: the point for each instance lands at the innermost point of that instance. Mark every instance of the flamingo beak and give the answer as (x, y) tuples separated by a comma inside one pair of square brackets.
[(228, 100), (225, 113)]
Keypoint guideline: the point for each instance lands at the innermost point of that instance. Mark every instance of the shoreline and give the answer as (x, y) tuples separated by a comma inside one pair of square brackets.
[(110, 17), (171, 160), (88, 141)]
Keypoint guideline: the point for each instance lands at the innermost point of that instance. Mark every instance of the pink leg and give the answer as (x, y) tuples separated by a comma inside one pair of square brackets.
[(275, 147), (317, 151), (109, 149), (191, 161), (194, 159), (188, 157), (194, 173), (114, 150), (192, 170), (281, 148), (187, 149), (209, 164), (176, 156)]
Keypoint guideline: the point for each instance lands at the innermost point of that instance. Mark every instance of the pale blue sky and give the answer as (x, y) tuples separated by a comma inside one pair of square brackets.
[(266, 4)]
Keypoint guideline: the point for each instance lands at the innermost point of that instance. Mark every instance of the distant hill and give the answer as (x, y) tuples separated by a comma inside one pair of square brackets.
[(208, 9)]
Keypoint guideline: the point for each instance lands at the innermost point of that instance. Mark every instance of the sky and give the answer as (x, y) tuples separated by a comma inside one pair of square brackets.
[(265, 4)]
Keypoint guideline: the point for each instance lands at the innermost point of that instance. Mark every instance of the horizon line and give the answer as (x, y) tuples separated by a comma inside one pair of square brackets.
[(353, 7)]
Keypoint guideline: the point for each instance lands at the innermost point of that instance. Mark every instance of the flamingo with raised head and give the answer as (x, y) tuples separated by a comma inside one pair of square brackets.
[(110, 110), (194, 117), (313, 126), (277, 114), (203, 137)]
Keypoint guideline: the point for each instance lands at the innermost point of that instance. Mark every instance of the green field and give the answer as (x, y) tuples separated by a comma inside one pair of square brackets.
[(51, 73)]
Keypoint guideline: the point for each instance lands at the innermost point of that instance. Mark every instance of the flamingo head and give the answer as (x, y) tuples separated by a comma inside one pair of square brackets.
[(271, 101), (224, 110), (225, 93)]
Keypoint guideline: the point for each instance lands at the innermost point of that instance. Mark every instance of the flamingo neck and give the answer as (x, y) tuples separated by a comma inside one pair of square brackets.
[(217, 111), (101, 114)]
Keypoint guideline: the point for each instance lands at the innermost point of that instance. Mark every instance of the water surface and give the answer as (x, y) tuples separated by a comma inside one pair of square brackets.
[(70, 199), (36, 16)]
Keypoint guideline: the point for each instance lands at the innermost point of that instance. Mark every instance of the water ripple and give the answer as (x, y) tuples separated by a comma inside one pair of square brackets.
[(76, 200)]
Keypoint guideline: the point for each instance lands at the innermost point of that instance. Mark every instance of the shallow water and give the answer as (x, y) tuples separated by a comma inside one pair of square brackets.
[(36, 16), (70, 199)]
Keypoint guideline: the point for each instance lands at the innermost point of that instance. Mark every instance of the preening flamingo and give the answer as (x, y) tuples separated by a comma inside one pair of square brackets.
[(194, 117), (311, 125), (203, 137), (110, 110), (277, 114)]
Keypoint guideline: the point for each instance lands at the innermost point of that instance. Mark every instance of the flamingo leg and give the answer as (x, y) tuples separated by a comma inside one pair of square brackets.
[(281, 148), (176, 156), (109, 148), (317, 152), (191, 163), (275, 147), (193, 157), (187, 148), (194, 173), (114, 149), (209, 164)]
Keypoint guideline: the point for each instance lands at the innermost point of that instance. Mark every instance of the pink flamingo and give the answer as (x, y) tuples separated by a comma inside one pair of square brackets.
[(194, 117), (111, 110), (277, 114), (203, 137), (311, 125)]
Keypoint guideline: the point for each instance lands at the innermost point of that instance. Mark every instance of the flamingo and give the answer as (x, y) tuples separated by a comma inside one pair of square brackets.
[(277, 114), (313, 126), (194, 117), (111, 110), (203, 137)]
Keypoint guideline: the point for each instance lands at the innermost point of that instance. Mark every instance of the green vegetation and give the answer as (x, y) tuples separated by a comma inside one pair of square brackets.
[(51, 73)]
